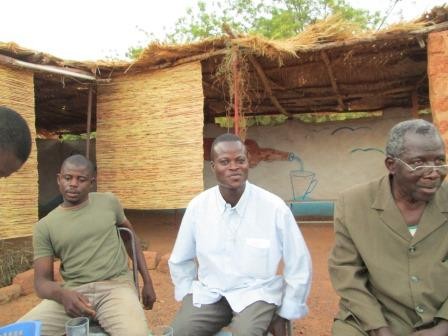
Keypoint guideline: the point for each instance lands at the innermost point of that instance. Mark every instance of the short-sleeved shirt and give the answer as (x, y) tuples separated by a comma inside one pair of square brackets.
[(85, 239)]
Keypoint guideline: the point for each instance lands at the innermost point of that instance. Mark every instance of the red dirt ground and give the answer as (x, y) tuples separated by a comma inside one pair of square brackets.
[(159, 233)]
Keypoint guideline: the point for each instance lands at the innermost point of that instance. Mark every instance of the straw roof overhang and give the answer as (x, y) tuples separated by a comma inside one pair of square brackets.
[(60, 101), (330, 67)]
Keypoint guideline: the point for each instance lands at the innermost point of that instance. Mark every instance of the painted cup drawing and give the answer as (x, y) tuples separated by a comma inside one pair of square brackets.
[(303, 183)]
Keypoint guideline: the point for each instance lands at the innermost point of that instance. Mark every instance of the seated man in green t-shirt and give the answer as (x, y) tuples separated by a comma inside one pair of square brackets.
[(82, 233)]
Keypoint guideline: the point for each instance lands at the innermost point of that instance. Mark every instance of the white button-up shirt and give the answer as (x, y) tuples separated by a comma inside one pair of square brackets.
[(236, 252)]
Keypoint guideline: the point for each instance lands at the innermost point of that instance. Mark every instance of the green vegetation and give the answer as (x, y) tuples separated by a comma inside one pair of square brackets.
[(74, 137), (272, 120), (272, 19), (309, 118)]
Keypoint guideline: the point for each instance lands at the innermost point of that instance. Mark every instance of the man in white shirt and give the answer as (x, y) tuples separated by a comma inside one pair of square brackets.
[(225, 261)]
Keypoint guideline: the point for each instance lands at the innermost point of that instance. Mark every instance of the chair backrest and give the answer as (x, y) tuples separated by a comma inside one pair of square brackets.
[(21, 328), (125, 231)]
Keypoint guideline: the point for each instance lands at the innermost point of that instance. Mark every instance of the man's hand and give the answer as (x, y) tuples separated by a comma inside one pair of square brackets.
[(278, 326), (76, 304), (148, 296), (440, 329)]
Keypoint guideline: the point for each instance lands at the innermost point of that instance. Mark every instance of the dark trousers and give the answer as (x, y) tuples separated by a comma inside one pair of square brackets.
[(208, 319)]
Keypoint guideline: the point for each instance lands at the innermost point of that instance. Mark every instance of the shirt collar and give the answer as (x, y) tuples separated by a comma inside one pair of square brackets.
[(239, 207)]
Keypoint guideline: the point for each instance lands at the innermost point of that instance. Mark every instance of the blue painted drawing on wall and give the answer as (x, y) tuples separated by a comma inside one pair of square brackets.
[(353, 129), (303, 182), (368, 149)]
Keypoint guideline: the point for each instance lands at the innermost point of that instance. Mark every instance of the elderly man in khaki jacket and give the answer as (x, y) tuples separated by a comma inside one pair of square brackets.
[(389, 263)]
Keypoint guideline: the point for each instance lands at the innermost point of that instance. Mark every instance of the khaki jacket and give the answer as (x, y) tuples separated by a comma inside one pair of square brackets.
[(383, 275)]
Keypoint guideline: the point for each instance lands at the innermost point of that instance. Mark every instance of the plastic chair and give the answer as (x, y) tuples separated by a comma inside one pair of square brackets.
[(22, 328), (94, 327)]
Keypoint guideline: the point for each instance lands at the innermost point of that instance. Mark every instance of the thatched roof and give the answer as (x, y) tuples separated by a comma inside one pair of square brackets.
[(331, 66)]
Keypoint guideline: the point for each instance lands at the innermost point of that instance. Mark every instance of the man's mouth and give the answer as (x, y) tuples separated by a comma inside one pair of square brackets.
[(430, 188), (72, 193)]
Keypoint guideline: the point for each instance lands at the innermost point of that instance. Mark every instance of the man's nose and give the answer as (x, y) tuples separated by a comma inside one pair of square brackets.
[(73, 182), (233, 165), (434, 173)]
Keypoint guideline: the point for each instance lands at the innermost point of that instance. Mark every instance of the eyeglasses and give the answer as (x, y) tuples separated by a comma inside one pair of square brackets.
[(426, 169)]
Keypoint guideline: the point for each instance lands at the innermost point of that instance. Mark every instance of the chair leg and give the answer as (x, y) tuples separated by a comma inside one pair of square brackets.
[(289, 328)]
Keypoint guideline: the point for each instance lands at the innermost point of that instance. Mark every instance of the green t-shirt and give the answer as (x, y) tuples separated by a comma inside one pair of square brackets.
[(85, 239)]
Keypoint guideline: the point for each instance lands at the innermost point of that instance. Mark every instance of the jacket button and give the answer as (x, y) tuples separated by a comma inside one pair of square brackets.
[(419, 309), (412, 249), (414, 278)]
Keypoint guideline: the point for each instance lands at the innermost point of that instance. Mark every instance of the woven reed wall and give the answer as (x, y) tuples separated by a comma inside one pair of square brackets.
[(149, 137), (19, 192)]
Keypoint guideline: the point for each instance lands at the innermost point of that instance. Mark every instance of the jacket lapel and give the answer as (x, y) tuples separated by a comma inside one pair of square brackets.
[(434, 216), (388, 212)]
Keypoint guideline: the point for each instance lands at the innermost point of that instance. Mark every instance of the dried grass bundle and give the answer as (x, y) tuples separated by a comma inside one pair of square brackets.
[(159, 53), (402, 27), (332, 29), (15, 257), (272, 49)]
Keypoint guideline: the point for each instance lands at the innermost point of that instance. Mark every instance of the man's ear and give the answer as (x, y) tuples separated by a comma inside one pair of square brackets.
[(92, 180), (212, 166), (390, 164), (58, 177)]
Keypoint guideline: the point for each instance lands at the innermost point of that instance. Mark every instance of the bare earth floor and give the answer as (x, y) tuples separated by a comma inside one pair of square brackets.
[(159, 233)]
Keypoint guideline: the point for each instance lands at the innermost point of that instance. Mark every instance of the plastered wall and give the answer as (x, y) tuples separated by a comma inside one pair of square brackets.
[(330, 157)]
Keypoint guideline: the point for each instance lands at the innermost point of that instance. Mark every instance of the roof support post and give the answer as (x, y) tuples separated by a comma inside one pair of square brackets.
[(89, 122), (326, 60), (267, 88), (414, 110), (236, 91)]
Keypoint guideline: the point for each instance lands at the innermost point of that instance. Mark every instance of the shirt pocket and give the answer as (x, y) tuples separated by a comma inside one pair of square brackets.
[(255, 257)]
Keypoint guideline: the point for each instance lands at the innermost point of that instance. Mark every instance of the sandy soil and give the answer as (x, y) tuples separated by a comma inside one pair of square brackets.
[(159, 233)]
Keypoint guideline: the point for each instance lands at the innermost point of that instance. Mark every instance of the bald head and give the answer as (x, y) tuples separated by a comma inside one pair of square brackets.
[(79, 161), (226, 137)]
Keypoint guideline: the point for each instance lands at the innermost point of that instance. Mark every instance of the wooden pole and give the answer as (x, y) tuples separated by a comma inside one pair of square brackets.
[(236, 91), (75, 73), (89, 122), (265, 81), (333, 80), (414, 110)]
